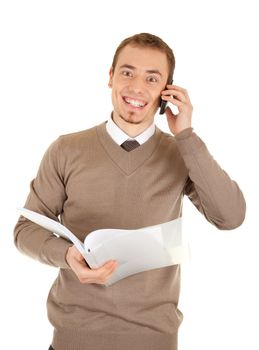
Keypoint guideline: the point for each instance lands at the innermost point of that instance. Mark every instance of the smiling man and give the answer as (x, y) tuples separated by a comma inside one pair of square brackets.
[(124, 173), (136, 81)]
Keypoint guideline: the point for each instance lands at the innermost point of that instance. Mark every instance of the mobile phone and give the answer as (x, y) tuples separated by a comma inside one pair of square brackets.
[(163, 103)]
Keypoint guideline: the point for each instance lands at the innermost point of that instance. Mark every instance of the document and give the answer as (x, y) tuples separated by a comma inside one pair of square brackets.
[(135, 251)]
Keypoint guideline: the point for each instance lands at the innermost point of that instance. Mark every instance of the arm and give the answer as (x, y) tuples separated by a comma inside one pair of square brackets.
[(47, 196), (209, 187)]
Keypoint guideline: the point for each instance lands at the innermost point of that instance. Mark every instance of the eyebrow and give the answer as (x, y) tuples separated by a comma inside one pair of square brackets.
[(151, 71)]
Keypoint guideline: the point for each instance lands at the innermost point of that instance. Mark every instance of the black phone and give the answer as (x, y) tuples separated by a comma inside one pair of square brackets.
[(163, 103)]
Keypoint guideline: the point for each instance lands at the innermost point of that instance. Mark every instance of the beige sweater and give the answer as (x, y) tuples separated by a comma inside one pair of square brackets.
[(92, 183)]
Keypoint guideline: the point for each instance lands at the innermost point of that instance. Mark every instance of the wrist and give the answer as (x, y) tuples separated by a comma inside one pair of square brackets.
[(68, 254), (179, 131), (184, 133)]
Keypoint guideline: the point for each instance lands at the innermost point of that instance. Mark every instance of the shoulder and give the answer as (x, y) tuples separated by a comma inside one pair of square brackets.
[(73, 145), (168, 149), (166, 140), (77, 140)]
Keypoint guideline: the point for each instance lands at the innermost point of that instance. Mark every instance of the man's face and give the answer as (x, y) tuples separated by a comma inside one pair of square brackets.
[(137, 81)]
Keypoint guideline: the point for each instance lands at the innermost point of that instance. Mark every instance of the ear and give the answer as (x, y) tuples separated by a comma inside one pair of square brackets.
[(110, 75)]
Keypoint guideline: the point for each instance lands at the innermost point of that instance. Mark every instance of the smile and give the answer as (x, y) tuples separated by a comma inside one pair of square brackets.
[(134, 102)]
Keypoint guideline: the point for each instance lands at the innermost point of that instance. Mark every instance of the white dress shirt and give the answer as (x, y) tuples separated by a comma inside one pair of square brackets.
[(119, 136)]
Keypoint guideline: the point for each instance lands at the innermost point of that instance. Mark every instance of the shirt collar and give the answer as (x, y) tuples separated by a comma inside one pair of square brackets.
[(119, 136)]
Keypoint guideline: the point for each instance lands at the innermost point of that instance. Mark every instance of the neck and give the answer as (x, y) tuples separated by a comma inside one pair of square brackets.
[(130, 128)]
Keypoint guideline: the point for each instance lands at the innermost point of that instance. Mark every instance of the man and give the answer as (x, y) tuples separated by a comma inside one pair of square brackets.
[(92, 180)]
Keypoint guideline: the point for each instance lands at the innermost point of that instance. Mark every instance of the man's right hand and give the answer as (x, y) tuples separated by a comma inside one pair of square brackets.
[(86, 275)]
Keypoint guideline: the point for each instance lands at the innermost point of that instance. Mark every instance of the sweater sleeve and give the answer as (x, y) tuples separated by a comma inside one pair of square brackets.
[(47, 195), (209, 187)]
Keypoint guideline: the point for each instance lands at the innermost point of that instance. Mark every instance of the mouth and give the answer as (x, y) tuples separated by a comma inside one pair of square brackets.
[(135, 103)]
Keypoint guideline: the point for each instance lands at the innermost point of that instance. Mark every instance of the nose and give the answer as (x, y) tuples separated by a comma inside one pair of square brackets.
[(137, 85)]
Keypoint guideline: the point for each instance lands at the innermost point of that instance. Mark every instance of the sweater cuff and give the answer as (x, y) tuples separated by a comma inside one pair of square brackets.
[(184, 133), (189, 142), (54, 252)]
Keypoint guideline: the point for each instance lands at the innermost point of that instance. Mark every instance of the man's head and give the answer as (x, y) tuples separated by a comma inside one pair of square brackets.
[(146, 40), (142, 66)]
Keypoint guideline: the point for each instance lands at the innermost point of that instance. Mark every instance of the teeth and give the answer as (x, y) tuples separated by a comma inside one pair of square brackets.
[(135, 103)]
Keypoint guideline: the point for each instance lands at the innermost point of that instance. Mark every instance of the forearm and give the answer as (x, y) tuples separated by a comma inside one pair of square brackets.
[(40, 244), (212, 190), (47, 196)]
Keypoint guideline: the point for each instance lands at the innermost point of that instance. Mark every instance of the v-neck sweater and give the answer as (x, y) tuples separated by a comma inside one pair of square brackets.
[(90, 182)]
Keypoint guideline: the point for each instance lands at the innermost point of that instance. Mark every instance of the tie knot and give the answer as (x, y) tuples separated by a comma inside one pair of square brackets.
[(129, 145)]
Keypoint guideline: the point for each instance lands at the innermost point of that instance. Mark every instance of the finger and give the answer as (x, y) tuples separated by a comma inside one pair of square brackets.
[(171, 118), (176, 94), (104, 270), (109, 268), (109, 265), (179, 89), (173, 100), (169, 113), (99, 275), (104, 275), (108, 276)]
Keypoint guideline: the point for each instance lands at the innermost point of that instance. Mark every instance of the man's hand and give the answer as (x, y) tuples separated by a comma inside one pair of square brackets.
[(86, 275), (178, 97)]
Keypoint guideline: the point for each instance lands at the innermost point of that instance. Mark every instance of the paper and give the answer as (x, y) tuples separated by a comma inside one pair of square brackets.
[(135, 250)]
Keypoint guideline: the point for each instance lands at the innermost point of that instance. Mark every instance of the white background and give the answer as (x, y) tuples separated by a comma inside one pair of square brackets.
[(55, 58)]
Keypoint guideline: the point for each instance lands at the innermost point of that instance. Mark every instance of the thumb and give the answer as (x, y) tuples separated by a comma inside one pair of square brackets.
[(169, 113), (171, 118)]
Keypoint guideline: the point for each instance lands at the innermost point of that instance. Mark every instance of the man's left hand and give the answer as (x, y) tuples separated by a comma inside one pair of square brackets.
[(180, 98)]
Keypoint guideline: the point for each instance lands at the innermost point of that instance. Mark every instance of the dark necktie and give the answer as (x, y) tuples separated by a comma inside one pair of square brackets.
[(129, 145)]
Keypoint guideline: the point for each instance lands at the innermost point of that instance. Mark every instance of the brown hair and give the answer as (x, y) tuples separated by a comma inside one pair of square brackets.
[(150, 41)]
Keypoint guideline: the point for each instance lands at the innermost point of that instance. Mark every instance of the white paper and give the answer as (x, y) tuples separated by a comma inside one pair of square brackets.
[(135, 250), (53, 226)]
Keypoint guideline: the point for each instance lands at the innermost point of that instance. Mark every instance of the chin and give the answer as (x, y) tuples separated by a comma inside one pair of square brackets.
[(131, 118)]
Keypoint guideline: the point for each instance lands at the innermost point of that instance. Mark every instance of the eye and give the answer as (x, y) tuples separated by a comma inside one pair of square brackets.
[(126, 73), (152, 79)]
